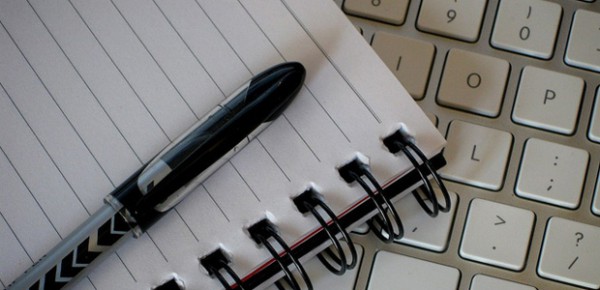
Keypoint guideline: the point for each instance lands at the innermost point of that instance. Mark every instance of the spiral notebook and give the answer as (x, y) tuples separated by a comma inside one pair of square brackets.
[(91, 90)]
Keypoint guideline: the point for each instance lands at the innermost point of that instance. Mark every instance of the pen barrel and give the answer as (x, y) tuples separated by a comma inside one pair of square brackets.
[(72, 258), (154, 189)]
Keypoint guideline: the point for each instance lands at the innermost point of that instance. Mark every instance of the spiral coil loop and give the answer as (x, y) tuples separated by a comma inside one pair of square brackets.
[(341, 255), (308, 201), (215, 262), (264, 230), (357, 171), (402, 141)]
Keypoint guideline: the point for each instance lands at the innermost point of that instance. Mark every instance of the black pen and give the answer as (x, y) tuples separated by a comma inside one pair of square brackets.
[(158, 186)]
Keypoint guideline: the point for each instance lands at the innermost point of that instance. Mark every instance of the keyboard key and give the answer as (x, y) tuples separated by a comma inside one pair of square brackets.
[(476, 155), (596, 205), (570, 253), (552, 173), (388, 11), (409, 59), (483, 282), (583, 50), (451, 18), (420, 229), (394, 271), (497, 234), (323, 279), (527, 26), (473, 82), (594, 133), (433, 118), (359, 29), (361, 229), (548, 100)]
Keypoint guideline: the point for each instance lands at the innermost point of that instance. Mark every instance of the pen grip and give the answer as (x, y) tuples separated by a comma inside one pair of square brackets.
[(76, 254)]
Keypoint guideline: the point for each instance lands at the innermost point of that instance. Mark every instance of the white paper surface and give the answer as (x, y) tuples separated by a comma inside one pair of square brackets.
[(91, 90)]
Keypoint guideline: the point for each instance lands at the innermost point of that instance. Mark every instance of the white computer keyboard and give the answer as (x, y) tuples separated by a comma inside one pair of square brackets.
[(514, 87)]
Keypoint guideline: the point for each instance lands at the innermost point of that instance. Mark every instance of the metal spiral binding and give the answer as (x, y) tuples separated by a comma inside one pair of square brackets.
[(172, 284), (400, 140), (357, 171), (308, 201), (261, 232), (386, 225), (219, 260)]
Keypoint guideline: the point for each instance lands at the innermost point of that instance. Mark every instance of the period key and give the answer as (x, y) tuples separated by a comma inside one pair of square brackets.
[(497, 234)]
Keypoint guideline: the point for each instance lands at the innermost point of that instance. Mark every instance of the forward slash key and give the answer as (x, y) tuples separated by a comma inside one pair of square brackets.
[(573, 263)]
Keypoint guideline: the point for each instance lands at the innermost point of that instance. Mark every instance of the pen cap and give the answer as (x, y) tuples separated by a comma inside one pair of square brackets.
[(214, 139), (275, 88)]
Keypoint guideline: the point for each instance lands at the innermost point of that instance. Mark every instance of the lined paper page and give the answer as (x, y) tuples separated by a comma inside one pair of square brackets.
[(92, 90)]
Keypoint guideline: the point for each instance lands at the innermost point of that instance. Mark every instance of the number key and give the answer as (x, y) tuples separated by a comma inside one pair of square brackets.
[(527, 26), (460, 19), (388, 11)]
